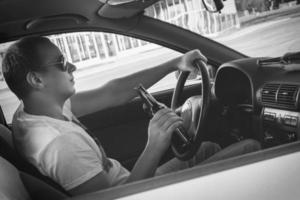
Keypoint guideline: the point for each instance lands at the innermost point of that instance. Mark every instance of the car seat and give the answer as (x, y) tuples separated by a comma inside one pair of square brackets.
[(11, 185), (18, 185), (34, 181)]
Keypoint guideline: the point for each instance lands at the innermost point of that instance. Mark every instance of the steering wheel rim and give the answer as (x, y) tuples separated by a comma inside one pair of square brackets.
[(204, 107)]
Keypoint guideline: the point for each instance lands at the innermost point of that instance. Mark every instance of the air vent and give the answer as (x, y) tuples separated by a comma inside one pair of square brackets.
[(286, 96), (269, 93), (280, 95)]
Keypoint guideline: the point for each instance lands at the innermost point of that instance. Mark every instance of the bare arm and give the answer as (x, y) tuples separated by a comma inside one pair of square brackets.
[(160, 131), (161, 127), (121, 90), (144, 168), (117, 91)]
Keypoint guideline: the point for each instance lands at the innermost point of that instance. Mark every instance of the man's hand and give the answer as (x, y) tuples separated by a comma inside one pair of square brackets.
[(161, 127), (185, 62)]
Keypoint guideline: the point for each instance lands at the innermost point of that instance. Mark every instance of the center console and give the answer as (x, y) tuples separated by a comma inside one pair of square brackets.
[(280, 115), (279, 126)]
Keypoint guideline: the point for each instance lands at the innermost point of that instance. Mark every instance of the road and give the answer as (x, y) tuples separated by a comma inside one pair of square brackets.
[(260, 39), (271, 37)]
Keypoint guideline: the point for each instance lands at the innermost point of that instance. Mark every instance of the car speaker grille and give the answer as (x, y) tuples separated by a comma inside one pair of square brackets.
[(280, 95)]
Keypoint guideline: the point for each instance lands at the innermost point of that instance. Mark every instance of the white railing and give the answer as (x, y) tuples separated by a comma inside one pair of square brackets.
[(192, 15)]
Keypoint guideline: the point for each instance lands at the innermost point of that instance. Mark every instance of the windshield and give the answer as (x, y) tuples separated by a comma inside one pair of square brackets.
[(255, 28)]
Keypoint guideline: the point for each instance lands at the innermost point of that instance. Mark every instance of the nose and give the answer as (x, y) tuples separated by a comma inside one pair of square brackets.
[(71, 67)]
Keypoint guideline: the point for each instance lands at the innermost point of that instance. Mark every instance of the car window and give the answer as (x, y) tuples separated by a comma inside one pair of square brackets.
[(254, 28), (99, 57)]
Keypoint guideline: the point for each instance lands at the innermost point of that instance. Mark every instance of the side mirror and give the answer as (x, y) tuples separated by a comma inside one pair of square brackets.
[(213, 5)]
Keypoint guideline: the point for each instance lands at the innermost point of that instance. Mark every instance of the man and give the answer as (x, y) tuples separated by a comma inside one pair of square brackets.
[(48, 134)]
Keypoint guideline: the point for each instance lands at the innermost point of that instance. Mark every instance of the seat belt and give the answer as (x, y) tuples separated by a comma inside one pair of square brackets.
[(2, 118), (107, 164)]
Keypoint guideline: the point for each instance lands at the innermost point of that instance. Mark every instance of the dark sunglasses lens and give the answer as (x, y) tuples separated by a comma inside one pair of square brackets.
[(64, 64)]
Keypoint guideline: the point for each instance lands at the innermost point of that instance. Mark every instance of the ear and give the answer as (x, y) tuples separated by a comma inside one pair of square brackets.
[(34, 80)]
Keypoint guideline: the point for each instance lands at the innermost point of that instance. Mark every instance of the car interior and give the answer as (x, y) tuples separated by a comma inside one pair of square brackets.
[(246, 97)]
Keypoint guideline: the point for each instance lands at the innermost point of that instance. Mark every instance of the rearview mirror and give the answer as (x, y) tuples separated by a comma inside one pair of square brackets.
[(213, 5), (118, 2)]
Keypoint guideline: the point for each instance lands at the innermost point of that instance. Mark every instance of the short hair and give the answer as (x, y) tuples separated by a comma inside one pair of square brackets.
[(20, 58)]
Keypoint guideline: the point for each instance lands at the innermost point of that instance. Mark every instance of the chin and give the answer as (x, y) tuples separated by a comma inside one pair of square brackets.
[(73, 92), (70, 93)]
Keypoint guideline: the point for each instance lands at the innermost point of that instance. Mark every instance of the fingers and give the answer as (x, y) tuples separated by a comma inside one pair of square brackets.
[(172, 126), (186, 63), (161, 128), (170, 122), (167, 120), (159, 114), (196, 54)]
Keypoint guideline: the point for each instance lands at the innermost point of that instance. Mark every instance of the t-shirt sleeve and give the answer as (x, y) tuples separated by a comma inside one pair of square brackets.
[(70, 161)]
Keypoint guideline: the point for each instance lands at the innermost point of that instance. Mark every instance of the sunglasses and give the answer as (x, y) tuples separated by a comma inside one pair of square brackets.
[(62, 63)]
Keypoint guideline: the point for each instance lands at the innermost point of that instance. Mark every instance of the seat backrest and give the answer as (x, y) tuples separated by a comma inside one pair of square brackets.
[(11, 185), (6, 146), (8, 152), (22, 186)]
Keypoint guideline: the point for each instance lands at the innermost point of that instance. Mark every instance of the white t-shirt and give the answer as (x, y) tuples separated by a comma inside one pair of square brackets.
[(62, 149)]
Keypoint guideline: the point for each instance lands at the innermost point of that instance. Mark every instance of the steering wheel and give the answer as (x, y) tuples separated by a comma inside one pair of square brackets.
[(194, 111)]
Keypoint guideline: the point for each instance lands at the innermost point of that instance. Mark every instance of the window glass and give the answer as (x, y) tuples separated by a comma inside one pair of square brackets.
[(110, 44), (99, 45), (91, 44), (257, 28), (73, 48), (82, 47), (99, 57)]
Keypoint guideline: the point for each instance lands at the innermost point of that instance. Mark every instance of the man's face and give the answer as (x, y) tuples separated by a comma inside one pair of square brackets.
[(57, 75)]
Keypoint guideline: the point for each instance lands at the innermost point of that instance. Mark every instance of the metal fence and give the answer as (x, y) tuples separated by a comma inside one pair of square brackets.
[(192, 15)]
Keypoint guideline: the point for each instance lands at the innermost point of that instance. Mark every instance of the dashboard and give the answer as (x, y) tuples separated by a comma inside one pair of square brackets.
[(270, 94)]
